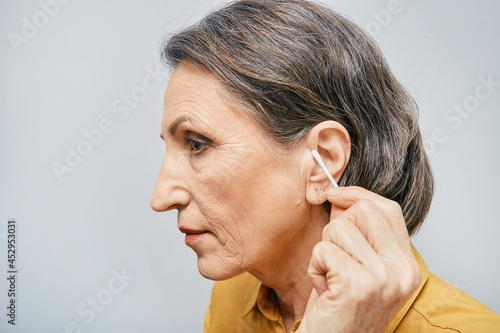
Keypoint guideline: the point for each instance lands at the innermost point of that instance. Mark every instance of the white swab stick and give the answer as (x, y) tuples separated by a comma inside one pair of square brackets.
[(323, 166)]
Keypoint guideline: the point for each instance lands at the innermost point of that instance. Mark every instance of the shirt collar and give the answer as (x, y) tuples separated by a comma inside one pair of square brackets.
[(402, 312), (252, 300), (265, 300)]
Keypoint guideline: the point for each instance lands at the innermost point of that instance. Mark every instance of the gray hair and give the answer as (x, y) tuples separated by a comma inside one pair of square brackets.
[(295, 64)]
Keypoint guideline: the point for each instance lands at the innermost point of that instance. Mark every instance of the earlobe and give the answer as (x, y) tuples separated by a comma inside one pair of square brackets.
[(314, 195)]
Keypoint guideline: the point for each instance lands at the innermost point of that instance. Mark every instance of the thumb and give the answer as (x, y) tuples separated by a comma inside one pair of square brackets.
[(318, 267), (313, 298)]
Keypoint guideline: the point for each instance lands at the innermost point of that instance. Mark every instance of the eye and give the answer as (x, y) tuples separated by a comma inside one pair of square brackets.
[(196, 143)]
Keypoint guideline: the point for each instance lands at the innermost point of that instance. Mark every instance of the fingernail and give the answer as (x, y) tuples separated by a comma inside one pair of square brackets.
[(334, 191)]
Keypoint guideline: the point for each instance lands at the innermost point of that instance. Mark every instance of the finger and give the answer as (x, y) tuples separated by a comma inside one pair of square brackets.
[(346, 197), (313, 298), (327, 263), (346, 235), (371, 236)]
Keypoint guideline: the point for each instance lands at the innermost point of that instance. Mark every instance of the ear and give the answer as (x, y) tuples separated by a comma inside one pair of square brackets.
[(333, 143)]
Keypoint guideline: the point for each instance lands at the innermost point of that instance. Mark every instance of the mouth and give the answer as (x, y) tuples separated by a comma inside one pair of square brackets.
[(192, 235)]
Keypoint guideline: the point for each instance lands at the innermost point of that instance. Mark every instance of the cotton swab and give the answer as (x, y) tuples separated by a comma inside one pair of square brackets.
[(320, 161)]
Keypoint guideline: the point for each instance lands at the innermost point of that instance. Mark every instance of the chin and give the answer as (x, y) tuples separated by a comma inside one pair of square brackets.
[(218, 270)]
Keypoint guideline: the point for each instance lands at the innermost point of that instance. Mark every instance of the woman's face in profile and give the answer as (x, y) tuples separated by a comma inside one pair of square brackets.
[(239, 198)]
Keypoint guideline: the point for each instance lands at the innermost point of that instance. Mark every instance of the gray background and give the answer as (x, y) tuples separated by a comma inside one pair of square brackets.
[(74, 233)]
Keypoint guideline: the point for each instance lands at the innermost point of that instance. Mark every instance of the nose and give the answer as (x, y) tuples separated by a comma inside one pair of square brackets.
[(170, 191)]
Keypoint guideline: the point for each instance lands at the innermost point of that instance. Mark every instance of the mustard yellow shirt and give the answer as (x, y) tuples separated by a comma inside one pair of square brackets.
[(244, 305)]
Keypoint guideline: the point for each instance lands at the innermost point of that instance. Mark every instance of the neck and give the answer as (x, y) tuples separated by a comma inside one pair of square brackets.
[(286, 271)]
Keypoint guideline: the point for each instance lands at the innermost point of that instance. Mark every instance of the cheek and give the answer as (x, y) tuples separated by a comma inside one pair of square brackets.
[(218, 194), (226, 188), (224, 175)]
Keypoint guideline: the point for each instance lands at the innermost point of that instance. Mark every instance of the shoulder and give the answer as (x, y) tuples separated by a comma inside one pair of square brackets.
[(440, 306), (231, 300)]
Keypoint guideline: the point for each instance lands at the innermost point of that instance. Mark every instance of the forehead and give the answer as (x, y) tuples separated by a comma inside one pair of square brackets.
[(189, 79), (192, 90)]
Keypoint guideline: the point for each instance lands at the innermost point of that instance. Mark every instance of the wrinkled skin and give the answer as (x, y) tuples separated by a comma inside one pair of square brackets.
[(236, 186)]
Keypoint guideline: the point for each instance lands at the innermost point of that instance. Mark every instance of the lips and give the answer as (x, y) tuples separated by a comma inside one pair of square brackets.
[(187, 231), (192, 235)]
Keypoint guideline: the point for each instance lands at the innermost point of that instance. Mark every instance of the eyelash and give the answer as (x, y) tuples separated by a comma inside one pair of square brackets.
[(190, 141)]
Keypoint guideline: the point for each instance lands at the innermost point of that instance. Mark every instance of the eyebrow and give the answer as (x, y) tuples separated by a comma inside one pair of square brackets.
[(176, 124)]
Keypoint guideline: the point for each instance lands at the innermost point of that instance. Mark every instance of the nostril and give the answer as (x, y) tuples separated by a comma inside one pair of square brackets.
[(168, 195), (163, 203)]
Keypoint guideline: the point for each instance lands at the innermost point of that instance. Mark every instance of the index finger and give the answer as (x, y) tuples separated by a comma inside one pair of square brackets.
[(345, 197)]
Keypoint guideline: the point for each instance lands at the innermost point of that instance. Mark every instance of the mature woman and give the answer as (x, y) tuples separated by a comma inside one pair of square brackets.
[(256, 86)]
